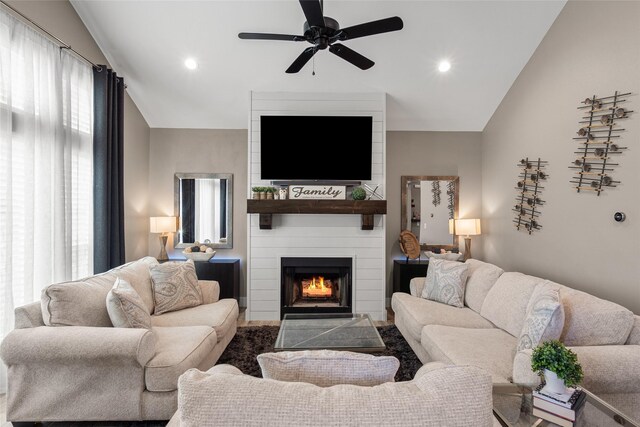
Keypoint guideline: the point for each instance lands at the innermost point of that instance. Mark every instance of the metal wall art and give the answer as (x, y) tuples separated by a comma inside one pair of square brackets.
[(435, 190), (599, 138), (528, 200)]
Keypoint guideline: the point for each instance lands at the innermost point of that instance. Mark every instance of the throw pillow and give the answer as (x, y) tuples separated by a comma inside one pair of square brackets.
[(126, 308), (175, 286), (445, 282), (545, 317), (326, 368)]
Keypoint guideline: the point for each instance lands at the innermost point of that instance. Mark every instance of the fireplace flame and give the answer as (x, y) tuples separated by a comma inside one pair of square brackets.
[(316, 287)]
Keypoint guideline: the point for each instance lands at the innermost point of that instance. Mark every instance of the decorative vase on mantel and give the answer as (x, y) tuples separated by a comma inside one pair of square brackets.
[(553, 384)]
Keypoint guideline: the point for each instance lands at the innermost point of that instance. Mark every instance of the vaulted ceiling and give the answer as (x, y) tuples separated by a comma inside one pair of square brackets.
[(487, 42)]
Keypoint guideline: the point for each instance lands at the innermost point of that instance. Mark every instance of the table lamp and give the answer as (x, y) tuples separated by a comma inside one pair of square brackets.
[(163, 225), (467, 227)]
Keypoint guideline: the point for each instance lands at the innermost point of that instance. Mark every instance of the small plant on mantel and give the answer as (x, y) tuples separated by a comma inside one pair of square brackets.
[(270, 191), (258, 192), (358, 193), (552, 357)]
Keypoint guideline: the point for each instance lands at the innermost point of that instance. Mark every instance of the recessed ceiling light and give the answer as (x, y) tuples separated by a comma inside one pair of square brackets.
[(444, 66), (191, 63)]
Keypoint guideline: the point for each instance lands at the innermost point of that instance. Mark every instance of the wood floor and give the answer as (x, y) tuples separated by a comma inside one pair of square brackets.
[(241, 322)]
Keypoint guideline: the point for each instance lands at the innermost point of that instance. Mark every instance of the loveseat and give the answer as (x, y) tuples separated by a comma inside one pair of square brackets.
[(67, 362), (437, 396), (484, 333)]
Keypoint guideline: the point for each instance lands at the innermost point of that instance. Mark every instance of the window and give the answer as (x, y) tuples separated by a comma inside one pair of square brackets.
[(46, 166)]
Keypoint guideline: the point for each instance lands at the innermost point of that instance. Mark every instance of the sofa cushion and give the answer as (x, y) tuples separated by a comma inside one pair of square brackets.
[(221, 316), (138, 276), (177, 349), (634, 336), (545, 317), (490, 349), (445, 282), (418, 312), (82, 302), (175, 286), (590, 320), (452, 395), (125, 307), (480, 279), (326, 368), (506, 302)]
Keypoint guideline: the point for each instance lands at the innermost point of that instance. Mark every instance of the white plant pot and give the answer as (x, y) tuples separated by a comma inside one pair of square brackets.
[(553, 384)]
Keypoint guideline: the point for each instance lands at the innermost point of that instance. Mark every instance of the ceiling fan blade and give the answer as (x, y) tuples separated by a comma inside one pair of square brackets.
[(301, 60), (313, 12), (267, 36), (370, 28), (352, 56)]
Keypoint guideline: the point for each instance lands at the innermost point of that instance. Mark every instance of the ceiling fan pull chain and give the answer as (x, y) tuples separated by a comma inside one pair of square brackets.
[(313, 73)]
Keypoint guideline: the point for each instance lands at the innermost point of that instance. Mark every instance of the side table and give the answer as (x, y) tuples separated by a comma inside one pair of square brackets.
[(404, 271)]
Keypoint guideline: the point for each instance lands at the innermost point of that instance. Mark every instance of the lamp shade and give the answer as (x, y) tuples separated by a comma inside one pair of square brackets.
[(467, 227), (162, 224)]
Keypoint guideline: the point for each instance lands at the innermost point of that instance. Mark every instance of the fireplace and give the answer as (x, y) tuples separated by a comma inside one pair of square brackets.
[(316, 285)]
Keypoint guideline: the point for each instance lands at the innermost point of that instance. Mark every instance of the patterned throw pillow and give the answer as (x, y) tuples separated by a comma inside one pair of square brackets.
[(445, 282), (545, 317), (175, 286), (125, 307)]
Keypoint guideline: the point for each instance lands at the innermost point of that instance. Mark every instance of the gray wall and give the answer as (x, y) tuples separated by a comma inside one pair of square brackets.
[(432, 153), (580, 244), (199, 151), (60, 19)]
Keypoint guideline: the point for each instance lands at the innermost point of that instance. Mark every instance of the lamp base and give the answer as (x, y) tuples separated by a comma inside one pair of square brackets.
[(467, 248), (163, 248)]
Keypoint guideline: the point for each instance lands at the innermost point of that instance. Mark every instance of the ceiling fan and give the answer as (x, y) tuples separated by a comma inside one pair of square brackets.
[(324, 32)]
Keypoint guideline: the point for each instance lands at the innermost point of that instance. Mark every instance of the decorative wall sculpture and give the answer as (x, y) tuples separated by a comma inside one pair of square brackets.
[(599, 137), (528, 200)]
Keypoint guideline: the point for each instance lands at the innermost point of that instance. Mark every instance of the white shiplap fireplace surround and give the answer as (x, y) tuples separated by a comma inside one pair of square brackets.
[(316, 235)]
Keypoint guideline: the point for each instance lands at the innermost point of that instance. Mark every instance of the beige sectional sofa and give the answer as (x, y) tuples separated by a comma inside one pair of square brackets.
[(67, 362), (605, 336), (437, 396)]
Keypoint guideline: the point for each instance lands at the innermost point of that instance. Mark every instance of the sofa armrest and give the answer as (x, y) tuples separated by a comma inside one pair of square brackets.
[(607, 368), (416, 285), (610, 368), (210, 291), (428, 367), (72, 344)]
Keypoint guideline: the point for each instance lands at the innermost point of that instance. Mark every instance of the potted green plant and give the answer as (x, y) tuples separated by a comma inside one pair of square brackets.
[(256, 192), (558, 364), (358, 193), (269, 192)]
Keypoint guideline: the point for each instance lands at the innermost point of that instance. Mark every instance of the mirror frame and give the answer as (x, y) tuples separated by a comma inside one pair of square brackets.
[(405, 179), (176, 198)]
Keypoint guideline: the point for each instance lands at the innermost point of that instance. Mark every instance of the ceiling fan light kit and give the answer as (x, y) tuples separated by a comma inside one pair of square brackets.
[(324, 32)]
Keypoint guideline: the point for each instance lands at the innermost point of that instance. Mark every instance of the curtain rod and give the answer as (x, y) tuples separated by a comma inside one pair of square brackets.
[(62, 44)]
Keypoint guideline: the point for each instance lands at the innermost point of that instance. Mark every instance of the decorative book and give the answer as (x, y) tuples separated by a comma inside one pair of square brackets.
[(553, 408), (567, 399)]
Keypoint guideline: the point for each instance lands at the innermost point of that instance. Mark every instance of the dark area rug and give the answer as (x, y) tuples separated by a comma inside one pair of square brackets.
[(251, 341)]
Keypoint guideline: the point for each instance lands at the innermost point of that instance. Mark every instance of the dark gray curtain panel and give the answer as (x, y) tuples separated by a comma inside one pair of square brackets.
[(108, 167)]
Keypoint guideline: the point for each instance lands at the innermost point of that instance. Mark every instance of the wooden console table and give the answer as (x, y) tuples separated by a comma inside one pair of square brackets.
[(365, 208), (225, 271), (404, 271)]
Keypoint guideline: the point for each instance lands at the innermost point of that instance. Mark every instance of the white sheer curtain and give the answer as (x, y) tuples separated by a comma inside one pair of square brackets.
[(46, 172), (207, 209)]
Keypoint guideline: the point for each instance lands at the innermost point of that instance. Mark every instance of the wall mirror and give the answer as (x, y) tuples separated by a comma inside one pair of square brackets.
[(204, 207), (428, 202)]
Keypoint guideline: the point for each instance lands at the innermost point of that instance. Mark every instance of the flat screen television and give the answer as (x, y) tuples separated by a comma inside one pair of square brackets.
[(316, 148)]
